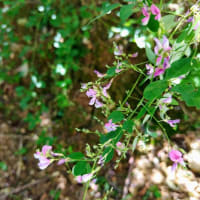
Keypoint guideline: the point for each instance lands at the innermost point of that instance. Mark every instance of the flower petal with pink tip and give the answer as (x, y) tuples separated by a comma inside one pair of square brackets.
[(156, 11)]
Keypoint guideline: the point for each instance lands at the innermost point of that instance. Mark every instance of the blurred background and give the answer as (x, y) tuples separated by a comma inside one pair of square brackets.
[(47, 49)]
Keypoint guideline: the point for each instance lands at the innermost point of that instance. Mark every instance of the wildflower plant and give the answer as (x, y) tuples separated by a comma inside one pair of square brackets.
[(169, 74)]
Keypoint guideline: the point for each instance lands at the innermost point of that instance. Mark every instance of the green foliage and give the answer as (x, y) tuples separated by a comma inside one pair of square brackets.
[(81, 168), (108, 154), (153, 24), (128, 126), (155, 89), (76, 156), (116, 116), (150, 55), (125, 12), (178, 68), (189, 93)]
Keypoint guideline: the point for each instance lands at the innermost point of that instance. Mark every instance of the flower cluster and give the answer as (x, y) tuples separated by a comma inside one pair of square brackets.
[(154, 10), (162, 50), (110, 126), (97, 94), (46, 157)]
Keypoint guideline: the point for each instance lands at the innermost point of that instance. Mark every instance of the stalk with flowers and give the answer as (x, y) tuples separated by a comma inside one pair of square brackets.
[(167, 76)]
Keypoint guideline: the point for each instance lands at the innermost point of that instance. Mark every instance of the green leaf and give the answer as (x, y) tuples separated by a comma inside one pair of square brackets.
[(111, 135), (155, 89), (81, 168), (179, 50), (128, 126), (189, 94), (178, 68), (150, 55), (108, 154), (169, 22), (153, 24), (107, 7), (76, 155), (116, 116), (125, 12), (111, 72), (152, 134)]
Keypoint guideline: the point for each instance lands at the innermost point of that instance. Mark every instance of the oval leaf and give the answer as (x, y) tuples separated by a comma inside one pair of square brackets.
[(155, 89)]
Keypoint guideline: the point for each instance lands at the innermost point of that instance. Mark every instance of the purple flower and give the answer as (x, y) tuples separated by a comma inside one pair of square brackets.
[(167, 99), (84, 178), (149, 69), (155, 11), (110, 126), (44, 162), (146, 14), (134, 55), (94, 101), (100, 75), (166, 62), (173, 122), (158, 60), (62, 161), (106, 88), (101, 160), (190, 19), (159, 71), (98, 104), (176, 157), (164, 45)]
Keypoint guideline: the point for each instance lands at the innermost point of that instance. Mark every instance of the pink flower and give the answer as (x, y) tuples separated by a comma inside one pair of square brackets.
[(100, 75), (167, 100), (158, 60), (106, 88), (176, 157), (61, 161), (110, 126), (190, 19), (146, 14), (94, 101), (164, 45), (166, 62), (84, 178), (159, 71), (101, 160), (156, 11), (173, 122), (149, 69), (134, 55), (44, 162)]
